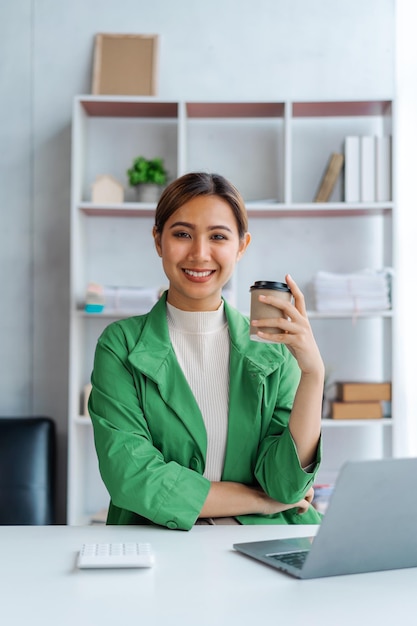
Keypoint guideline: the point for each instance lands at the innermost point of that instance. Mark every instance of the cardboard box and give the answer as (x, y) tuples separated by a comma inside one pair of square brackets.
[(125, 65), (363, 391), (356, 410)]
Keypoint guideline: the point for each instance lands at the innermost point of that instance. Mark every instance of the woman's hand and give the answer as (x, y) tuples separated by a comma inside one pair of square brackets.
[(296, 334), (293, 330), (273, 506)]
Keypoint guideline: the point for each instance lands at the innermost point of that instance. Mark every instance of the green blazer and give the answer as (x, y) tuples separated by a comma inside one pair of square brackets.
[(150, 436)]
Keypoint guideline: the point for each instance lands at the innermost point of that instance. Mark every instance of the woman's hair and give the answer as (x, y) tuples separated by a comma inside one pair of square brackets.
[(196, 184)]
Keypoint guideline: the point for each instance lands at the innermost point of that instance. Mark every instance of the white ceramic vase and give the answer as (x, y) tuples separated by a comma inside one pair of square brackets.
[(148, 192)]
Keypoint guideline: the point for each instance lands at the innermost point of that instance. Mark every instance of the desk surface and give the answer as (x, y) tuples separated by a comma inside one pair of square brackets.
[(197, 580)]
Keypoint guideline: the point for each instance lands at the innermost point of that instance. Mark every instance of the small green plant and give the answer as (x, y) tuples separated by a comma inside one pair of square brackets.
[(147, 171)]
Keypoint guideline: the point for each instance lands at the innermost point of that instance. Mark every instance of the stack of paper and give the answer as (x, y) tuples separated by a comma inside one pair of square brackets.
[(366, 290)]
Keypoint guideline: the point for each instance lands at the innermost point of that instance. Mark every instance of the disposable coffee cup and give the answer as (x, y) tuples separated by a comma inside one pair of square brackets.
[(261, 310)]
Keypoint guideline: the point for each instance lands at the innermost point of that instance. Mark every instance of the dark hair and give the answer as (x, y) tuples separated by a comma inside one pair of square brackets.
[(196, 184)]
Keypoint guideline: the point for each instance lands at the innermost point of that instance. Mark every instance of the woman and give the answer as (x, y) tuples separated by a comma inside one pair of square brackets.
[(192, 420)]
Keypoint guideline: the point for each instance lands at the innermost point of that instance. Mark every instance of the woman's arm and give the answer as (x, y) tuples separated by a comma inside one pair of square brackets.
[(228, 499), (305, 419)]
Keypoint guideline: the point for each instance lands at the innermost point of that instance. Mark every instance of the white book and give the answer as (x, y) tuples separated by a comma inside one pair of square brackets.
[(367, 169), (383, 168), (352, 169)]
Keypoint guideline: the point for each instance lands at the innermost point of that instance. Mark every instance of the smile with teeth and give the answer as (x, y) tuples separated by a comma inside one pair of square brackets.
[(199, 274)]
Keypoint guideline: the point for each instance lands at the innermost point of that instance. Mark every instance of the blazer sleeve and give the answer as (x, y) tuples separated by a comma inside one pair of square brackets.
[(278, 468), (133, 470)]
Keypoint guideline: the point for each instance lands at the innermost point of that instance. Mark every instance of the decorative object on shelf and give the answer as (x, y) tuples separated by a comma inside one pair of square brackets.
[(148, 177), (125, 65), (107, 190), (328, 182), (120, 300), (94, 300)]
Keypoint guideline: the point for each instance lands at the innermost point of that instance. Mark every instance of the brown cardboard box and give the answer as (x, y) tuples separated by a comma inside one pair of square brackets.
[(125, 65), (356, 410), (363, 391)]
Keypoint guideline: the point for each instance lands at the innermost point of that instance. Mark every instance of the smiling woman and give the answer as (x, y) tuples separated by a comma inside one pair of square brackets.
[(193, 420), (199, 245)]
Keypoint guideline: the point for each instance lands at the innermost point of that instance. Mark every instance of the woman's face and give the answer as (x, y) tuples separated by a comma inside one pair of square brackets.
[(199, 247)]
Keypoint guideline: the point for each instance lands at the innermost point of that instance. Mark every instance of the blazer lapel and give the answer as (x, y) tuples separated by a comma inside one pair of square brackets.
[(154, 357), (250, 363)]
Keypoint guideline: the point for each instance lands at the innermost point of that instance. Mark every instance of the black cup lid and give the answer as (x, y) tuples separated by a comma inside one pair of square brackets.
[(270, 284)]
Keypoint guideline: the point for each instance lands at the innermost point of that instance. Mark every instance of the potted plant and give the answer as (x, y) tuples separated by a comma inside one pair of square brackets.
[(148, 177)]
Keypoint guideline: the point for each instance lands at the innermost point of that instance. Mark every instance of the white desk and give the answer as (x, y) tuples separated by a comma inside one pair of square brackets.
[(197, 580)]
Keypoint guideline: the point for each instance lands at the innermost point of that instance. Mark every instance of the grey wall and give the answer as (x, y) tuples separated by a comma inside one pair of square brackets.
[(218, 49)]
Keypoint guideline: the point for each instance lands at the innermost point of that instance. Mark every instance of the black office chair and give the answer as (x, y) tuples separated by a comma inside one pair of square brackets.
[(27, 471)]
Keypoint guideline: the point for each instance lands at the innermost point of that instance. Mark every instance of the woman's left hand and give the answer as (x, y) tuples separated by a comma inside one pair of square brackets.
[(308, 499), (293, 330)]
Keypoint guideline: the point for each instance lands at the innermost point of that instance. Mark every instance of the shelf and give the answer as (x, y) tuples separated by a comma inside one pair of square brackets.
[(112, 316), (275, 153), (320, 315), (131, 106), (341, 109), (254, 209), (317, 209), (128, 106), (374, 423), (126, 209), (234, 109)]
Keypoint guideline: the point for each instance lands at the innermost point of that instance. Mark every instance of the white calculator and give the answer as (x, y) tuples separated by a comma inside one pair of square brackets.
[(117, 555)]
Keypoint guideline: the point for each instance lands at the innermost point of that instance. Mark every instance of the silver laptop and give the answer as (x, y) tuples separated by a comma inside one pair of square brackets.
[(370, 525)]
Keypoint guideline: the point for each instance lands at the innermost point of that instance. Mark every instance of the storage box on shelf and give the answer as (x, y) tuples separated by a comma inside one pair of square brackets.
[(275, 153)]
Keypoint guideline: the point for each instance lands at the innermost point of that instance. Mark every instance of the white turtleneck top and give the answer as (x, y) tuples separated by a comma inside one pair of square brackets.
[(202, 345)]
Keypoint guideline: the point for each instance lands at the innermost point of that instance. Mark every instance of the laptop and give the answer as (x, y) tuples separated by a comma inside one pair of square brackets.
[(370, 525)]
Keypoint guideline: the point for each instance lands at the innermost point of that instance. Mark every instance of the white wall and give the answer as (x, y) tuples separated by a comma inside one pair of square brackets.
[(219, 49), (405, 219)]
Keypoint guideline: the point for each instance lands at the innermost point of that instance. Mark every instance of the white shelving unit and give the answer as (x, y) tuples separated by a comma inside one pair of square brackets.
[(275, 153)]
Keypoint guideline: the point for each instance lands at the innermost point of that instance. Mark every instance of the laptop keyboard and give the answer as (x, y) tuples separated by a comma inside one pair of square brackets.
[(295, 559)]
